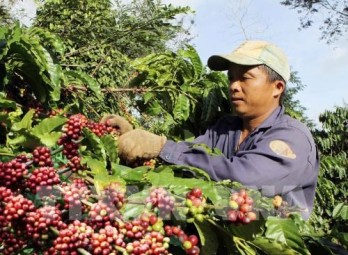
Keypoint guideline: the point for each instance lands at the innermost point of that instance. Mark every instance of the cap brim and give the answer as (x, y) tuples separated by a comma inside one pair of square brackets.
[(218, 63), (223, 62)]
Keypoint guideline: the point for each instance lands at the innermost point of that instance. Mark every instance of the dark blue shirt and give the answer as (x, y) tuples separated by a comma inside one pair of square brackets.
[(278, 157)]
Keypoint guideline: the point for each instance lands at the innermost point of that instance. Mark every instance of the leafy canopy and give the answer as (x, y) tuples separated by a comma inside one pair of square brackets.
[(102, 37), (333, 16)]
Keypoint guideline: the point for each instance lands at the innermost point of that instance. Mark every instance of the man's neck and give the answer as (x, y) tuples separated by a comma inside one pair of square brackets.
[(250, 124)]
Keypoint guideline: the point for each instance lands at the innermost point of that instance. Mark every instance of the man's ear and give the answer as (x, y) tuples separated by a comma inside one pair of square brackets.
[(279, 87)]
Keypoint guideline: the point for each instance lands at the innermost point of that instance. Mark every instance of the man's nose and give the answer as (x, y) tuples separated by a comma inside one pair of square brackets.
[(234, 85)]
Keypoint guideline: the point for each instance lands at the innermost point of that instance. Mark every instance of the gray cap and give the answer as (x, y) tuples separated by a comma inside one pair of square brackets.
[(253, 53)]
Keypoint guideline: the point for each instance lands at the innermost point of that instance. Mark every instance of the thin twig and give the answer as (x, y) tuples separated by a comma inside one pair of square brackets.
[(83, 251), (59, 149), (63, 171)]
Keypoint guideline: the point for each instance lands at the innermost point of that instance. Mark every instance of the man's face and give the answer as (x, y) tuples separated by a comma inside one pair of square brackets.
[(252, 94)]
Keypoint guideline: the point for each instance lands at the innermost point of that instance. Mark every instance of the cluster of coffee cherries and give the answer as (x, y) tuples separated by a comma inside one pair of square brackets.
[(189, 242), (114, 194), (72, 132), (12, 173), (101, 213), (151, 163), (103, 241), (42, 156), (195, 203), (282, 208), (73, 194), (147, 234), (39, 221), (241, 208), (161, 202), (76, 235), (100, 129), (42, 178), (41, 112), (13, 210), (75, 165), (98, 229)]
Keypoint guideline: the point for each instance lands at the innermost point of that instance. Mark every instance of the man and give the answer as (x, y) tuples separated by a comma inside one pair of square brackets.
[(262, 147)]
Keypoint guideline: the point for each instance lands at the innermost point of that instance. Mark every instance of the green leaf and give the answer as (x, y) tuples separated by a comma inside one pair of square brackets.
[(86, 80), (6, 152), (10, 34), (45, 35), (319, 245), (181, 109), (155, 108), (164, 79), (101, 177), (188, 136), (50, 72), (25, 62), (48, 125), (148, 96), (44, 130), (19, 139), (111, 149), (5, 103), (97, 167), (286, 232), (162, 176), (94, 146), (135, 205), (207, 237), (211, 102), (340, 231), (120, 169), (193, 55), (198, 173), (244, 247), (340, 212), (28, 251), (272, 247), (25, 123), (305, 228), (186, 73), (50, 139), (225, 238), (55, 72), (135, 174), (249, 231), (25, 139)]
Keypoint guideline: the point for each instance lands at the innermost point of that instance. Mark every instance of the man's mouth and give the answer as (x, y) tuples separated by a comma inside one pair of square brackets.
[(236, 99)]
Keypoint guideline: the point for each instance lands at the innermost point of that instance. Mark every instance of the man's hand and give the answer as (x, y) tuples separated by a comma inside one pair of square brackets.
[(140, 144), (117, 121)]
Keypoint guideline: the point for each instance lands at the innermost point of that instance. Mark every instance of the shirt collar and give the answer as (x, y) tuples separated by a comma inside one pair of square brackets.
[(278, 112)]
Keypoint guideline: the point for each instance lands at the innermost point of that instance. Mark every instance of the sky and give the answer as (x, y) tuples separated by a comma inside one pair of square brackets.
[(322, 68)]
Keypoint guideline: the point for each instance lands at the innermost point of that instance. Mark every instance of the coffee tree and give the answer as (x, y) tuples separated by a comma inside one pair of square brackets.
[(72, 194), (331, 195), (101, 37)]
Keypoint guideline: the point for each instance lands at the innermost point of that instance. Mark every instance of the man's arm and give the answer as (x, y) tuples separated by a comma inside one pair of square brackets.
[(267, 165)]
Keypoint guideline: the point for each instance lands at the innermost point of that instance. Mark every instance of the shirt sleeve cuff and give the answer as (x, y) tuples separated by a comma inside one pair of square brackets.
[(172, 151)]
